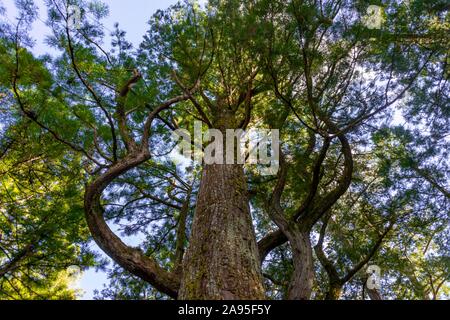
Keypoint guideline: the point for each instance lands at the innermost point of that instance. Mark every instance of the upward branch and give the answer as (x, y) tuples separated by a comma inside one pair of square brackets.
[(132, 260)]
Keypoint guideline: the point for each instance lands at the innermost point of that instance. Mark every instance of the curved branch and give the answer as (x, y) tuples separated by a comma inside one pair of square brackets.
[(331, 198), (270, 242), (154, 113), (315, 181), (300, 286), (89, 88), (387, 104), (131, 259), (330, 269)]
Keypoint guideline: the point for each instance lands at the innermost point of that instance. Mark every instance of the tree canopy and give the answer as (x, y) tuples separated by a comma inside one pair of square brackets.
[(87, 148)]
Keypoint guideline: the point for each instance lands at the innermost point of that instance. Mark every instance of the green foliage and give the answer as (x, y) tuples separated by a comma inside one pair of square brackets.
[(309, 68)]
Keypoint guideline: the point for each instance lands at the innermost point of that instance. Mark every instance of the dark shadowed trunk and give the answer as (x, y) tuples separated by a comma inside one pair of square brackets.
[(222, 260), (374, 294), (334, 291)]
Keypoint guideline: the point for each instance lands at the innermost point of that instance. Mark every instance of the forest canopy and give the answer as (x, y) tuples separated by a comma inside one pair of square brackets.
[(358, 92)]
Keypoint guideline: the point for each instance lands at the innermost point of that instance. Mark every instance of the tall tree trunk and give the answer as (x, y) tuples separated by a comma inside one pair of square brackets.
[(222, 260)]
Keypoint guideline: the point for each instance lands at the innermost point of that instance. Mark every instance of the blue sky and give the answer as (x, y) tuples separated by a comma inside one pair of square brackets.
[(132, 16)]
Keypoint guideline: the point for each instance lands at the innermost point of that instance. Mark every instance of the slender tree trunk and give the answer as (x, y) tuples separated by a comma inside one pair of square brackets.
[(222, 260), (374, 294), (334, 292), (300, 287)]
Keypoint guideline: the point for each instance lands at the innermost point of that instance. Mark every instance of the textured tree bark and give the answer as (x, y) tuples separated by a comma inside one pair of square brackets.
[(300, 287), (222, 260)]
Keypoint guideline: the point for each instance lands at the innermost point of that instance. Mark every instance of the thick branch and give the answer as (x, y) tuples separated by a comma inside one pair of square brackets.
[(131, 259), (270, 242)]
